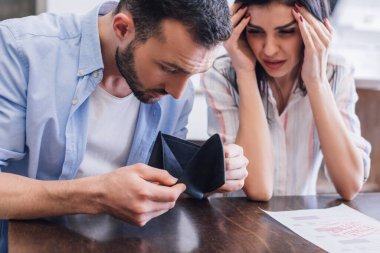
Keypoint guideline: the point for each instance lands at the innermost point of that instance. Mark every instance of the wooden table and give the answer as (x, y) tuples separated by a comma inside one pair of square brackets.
[(215, 225)]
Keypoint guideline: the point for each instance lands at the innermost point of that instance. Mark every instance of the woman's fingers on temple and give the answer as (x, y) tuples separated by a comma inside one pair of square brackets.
[(320, 28), (238, 16), (315, 34), (243, 23), (303, 30), (234, 8), (310, 18), (327, 24), (321, 31), (312, 39), (318, 42)]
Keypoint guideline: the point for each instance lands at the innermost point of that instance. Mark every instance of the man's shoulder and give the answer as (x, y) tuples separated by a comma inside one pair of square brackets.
[(46, 25)]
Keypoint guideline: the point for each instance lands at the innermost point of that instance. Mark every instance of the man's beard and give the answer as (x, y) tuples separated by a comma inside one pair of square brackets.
[(125, 61)]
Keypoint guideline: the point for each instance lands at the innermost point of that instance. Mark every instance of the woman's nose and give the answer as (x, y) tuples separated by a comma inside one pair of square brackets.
[(270, 47)]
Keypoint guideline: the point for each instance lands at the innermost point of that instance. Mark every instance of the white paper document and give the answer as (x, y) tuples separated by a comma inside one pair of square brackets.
[(335, 229)]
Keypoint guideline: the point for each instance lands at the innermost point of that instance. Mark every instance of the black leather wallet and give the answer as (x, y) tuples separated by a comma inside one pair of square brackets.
[(200, 168)]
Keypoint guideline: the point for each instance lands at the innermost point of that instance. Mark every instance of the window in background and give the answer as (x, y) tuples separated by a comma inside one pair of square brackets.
[(16, 8), (357, 38), (72, 6)]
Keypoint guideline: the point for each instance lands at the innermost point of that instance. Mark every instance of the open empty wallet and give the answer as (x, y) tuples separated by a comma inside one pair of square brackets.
[(200, 168)]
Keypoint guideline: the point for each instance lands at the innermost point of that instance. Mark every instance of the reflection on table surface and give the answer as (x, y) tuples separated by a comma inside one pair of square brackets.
[(214, 225)]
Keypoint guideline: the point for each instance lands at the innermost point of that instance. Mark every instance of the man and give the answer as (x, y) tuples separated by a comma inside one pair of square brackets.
[(70, 111)]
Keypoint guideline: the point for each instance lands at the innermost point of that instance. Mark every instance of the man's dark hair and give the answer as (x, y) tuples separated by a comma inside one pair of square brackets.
[(208, 21)]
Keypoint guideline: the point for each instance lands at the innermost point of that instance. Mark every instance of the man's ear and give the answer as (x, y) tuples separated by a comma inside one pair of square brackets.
[(123, 27)]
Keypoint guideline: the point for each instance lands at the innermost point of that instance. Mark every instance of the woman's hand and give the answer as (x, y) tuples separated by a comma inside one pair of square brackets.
[(237, 46), (236, 168), (334, 135), (317, 37)]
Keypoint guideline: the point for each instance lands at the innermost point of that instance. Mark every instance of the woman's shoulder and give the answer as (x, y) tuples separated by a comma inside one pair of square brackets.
[(221, 70), (338, 64), (340, 73), (222, 63), (221, 77)]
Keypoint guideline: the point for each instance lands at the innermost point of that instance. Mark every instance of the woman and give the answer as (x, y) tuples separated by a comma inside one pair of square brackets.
[(286, 101)]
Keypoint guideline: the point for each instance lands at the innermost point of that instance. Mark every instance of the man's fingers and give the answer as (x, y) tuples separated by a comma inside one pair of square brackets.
[(142, 219), (160, 176), (160, 193)]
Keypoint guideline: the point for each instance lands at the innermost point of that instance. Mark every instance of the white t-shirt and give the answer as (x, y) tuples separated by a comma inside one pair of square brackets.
[(111, 126)]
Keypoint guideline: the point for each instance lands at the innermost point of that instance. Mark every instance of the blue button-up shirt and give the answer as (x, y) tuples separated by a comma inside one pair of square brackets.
[(49, 66)]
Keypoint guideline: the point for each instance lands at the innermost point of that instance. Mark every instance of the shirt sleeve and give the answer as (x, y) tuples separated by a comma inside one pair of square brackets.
[(13, 85), (346, 98), (223, 108), (181, 127)]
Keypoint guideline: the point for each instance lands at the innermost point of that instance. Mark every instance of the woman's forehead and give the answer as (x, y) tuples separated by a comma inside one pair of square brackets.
[(276, 14)]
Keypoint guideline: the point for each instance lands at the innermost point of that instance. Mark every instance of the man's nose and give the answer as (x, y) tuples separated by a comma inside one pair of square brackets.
[(177, 86)]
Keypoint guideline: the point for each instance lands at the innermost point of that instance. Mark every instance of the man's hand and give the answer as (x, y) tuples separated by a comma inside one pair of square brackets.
[(236, 168), (139, 193)]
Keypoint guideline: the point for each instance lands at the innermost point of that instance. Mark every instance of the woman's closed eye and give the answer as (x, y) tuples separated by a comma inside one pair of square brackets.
[(287, 31), (254, 31), (281, 32)]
